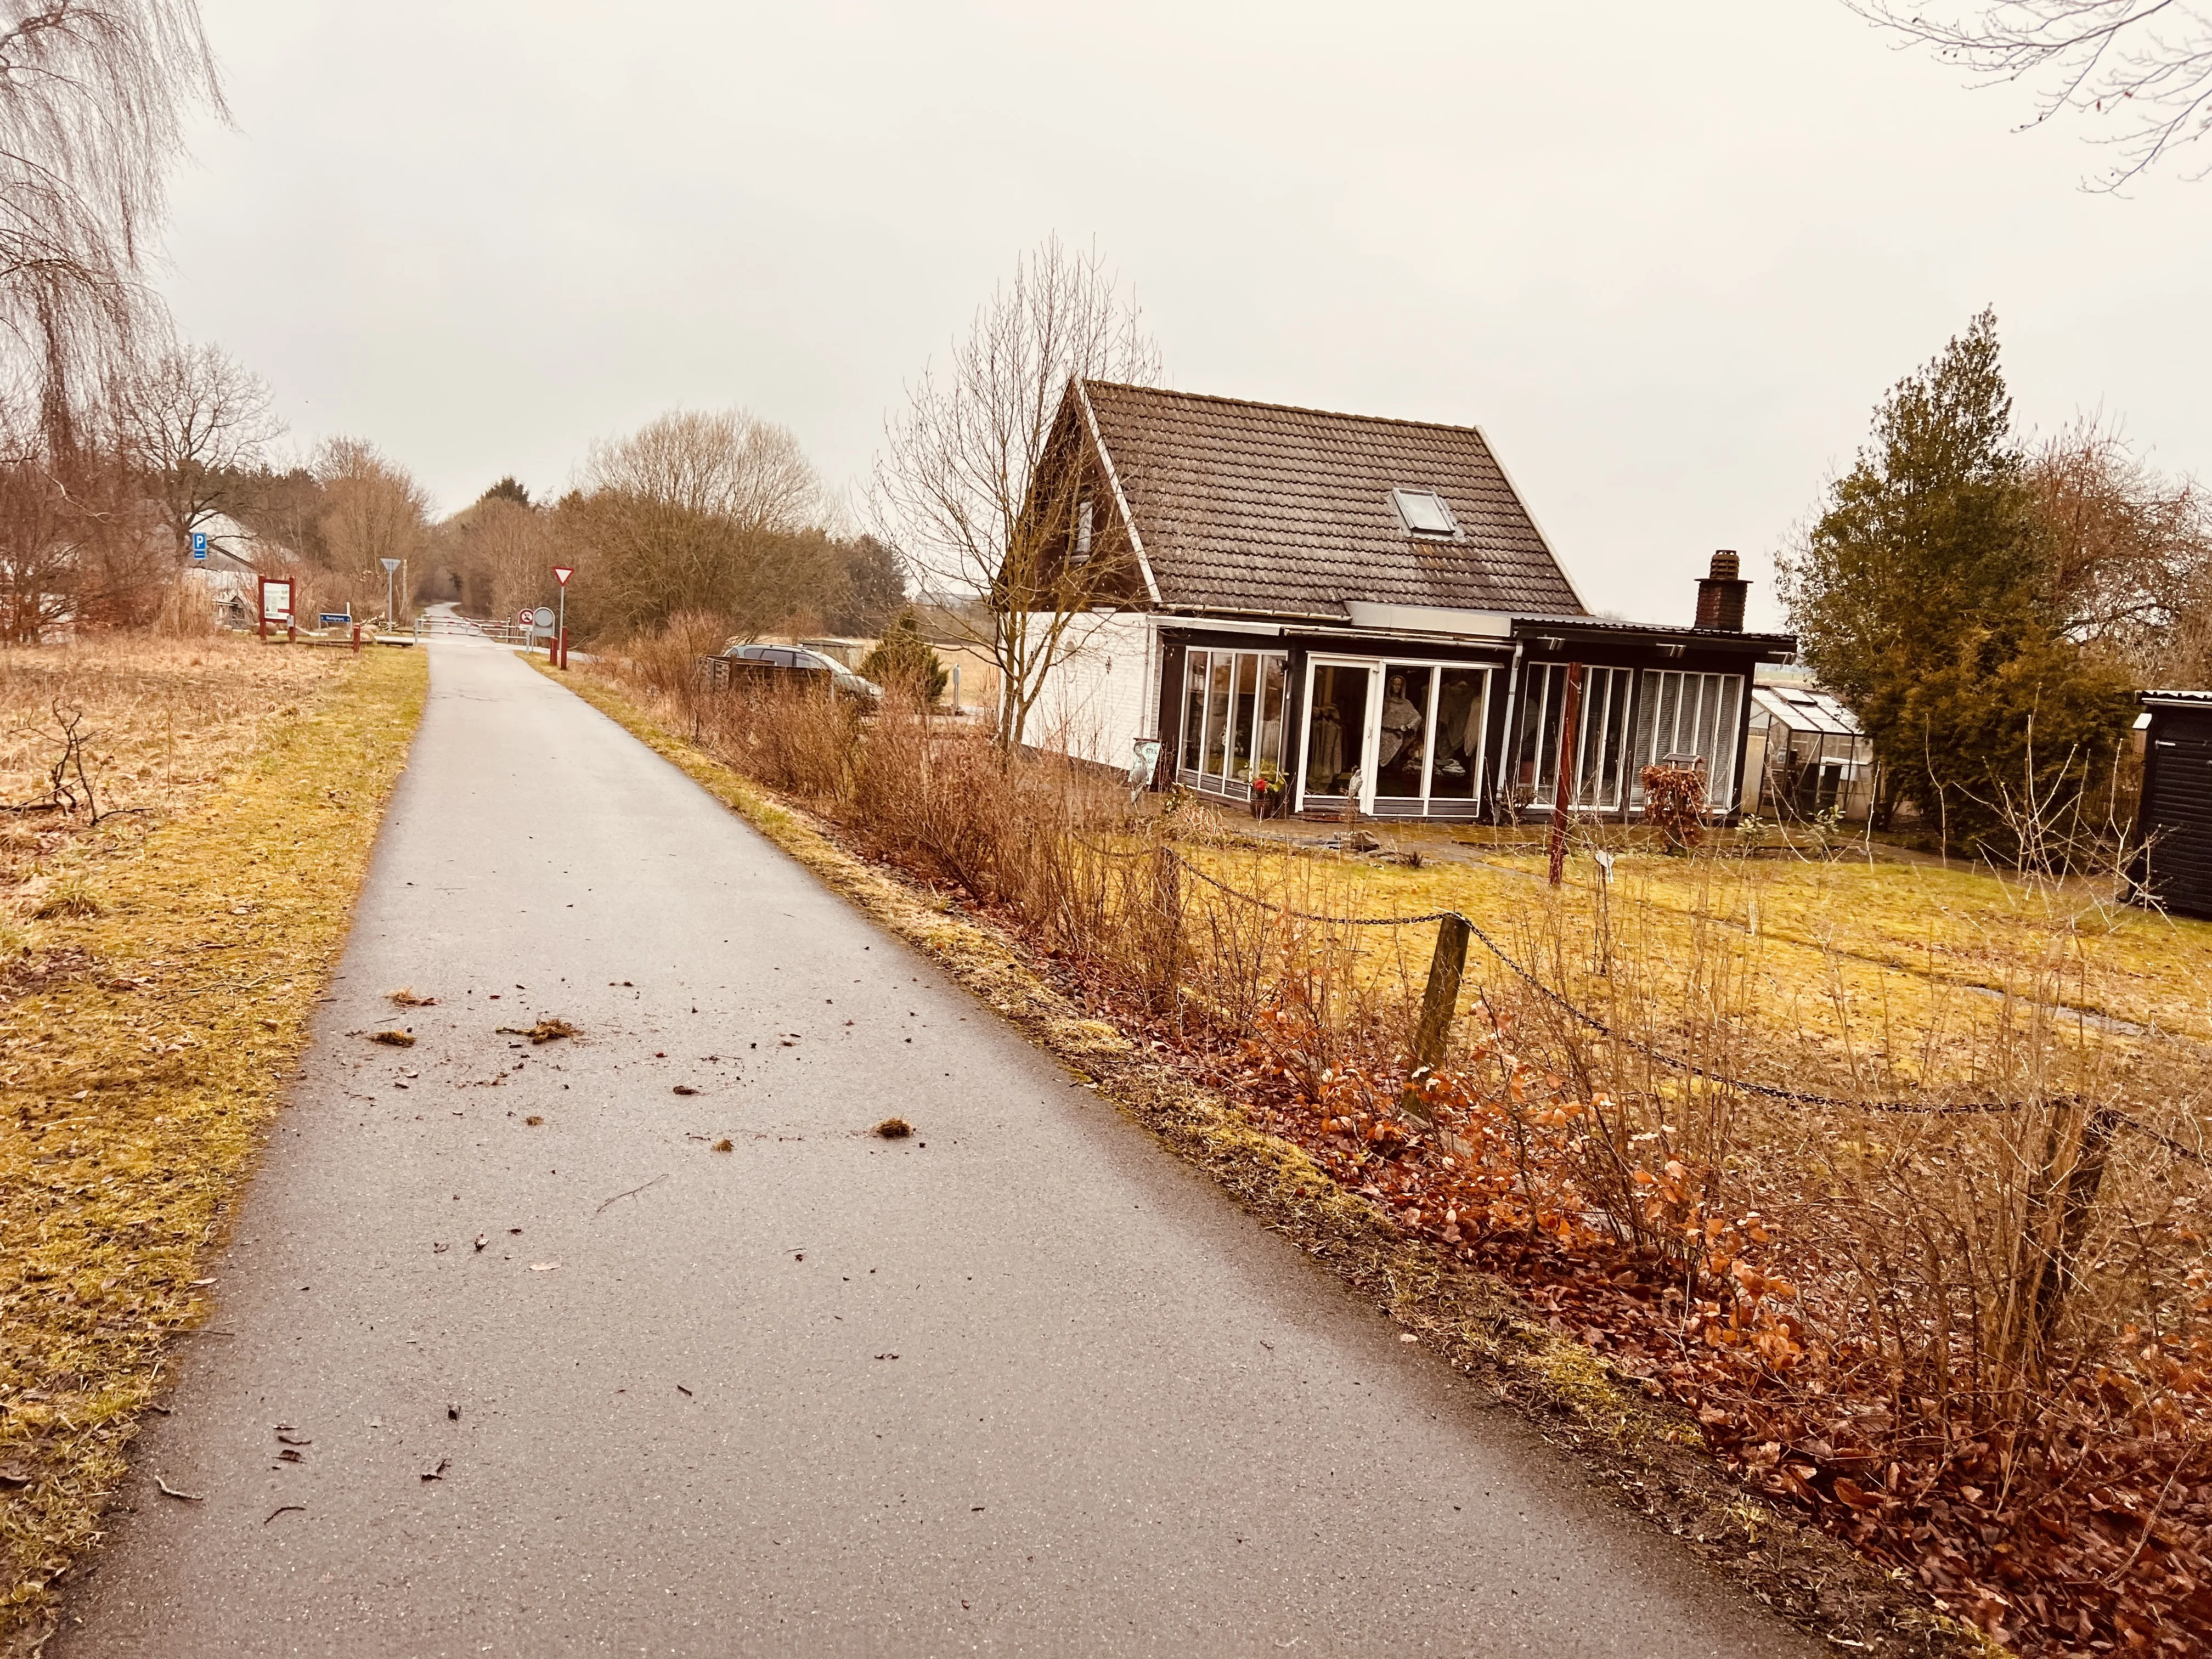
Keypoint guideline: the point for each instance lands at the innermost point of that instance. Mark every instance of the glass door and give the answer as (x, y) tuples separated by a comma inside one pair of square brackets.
[(1462, 716), (1401, 734), (1428, 739), (1397, 739), (1334, 766)]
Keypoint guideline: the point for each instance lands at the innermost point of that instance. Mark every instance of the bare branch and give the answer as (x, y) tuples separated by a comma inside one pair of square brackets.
[(953, 484), (94, 99), (192, 419), (2145, 64)]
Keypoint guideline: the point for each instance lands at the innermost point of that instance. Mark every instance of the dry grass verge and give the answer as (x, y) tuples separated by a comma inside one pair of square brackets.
[(1652, 1456), (145, 1040)]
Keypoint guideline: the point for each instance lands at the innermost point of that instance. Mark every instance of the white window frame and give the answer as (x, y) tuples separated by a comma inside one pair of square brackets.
[(1546, 783), (1654, 744), (1370, 733), (1220, 783)]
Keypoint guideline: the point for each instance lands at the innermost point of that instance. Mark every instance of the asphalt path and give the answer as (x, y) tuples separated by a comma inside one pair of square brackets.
[(1022, 1383)]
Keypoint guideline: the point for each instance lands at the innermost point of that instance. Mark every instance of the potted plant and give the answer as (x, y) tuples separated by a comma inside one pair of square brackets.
[(1269, 792)]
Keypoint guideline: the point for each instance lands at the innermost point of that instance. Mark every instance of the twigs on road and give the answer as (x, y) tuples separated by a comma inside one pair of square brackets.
[(632, 1192)]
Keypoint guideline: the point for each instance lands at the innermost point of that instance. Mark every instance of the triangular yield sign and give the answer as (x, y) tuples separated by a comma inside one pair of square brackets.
[(563, 572)]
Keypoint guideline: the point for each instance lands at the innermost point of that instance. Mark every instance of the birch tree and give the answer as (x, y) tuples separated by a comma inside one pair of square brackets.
[(952, 482)]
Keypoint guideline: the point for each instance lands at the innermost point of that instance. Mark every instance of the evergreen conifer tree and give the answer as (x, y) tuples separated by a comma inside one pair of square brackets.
[(905, 657), (1919, 598)]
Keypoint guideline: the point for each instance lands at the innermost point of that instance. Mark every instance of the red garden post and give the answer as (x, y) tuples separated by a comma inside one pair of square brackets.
[(1570, 710)]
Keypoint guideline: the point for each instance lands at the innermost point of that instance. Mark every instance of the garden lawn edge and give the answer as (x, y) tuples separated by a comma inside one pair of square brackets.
[(140, 1060), (1649, 1457)]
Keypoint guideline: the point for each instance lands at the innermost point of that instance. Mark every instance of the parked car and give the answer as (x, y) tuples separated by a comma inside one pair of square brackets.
[(785, 664)]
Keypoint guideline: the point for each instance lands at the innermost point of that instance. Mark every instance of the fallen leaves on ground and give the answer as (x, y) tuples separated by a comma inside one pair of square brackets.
[(393, 1039), (546, 1031), (894, 1129)]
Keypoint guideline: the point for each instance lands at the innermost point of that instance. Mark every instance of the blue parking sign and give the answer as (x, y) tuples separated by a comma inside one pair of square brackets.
[(199, 544)]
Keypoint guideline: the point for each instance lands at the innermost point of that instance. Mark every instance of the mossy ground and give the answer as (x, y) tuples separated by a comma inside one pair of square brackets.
[(143, 1047)]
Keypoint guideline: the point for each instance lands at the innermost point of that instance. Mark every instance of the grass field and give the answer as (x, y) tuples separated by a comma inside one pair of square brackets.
[(1908, 965), (160, 971)]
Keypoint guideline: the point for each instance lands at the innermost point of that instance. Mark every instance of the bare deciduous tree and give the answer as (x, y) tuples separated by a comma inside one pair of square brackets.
[(2129, 552), (714, 514), (727, 465), (94, 99), (2145, 63), (374, 511), (952, 482), (192, 419), (504, 551), (79, 545)]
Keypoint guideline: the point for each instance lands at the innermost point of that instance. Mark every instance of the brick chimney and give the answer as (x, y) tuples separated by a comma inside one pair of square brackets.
[(1719, 595)]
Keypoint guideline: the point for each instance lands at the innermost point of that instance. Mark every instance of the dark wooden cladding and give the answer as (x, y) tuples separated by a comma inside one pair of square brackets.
[(2172, 863)]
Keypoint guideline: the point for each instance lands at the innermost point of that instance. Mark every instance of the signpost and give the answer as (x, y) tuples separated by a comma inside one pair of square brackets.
[(535, 621), (276, 603), (561, 574), (391, 616)]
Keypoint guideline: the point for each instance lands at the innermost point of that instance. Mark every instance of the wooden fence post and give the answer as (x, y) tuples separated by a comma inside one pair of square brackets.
[(1438, 1003), (2076, 1212), (1570, 710), (1167, 903)]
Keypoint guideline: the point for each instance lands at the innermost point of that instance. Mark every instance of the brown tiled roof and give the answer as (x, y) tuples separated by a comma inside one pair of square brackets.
[(1257, 508)]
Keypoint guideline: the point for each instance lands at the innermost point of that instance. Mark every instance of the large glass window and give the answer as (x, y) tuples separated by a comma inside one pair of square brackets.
[(1456, 768), (1216, 711), (1600, 739), (1196, 666), (1244, 710), (1692, 718), (1401, 751), (1271, 714), (1232, 717)]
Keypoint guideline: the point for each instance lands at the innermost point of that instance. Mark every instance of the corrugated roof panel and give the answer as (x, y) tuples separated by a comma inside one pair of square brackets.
[(1808, 711)]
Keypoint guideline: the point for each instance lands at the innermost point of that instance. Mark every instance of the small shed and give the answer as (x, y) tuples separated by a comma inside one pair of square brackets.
[(2171, 867), (1806, 755)]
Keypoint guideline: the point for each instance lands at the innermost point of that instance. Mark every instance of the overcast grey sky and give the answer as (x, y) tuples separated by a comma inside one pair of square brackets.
[(1668, 256)]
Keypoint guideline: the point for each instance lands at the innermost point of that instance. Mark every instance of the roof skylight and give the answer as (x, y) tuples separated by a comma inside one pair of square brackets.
[(1424, 513)]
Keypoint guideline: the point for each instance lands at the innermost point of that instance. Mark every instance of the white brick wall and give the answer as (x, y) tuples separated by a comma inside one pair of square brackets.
[(1104, 693)]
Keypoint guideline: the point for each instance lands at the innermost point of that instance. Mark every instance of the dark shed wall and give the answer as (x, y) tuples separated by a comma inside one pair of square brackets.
[(2173, 865)]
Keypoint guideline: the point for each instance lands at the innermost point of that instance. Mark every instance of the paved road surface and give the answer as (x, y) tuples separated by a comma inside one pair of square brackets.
[(1022, 1384)]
